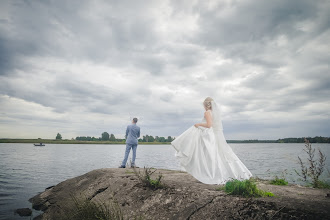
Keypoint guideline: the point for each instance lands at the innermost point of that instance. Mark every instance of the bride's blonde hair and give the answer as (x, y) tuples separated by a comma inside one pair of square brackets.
[(207, 103)]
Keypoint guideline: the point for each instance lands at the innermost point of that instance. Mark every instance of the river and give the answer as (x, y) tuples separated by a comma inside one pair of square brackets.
[(26, 170)]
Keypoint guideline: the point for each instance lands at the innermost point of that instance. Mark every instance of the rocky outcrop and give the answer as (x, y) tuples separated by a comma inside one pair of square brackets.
[(183, 198)]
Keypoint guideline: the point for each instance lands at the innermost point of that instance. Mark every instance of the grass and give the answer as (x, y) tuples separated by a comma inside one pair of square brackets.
[(279, 181), (321, 185), (146, 180), (245, 188), (86, 209)]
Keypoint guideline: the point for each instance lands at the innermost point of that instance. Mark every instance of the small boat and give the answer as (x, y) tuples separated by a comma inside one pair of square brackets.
[(40, 144)]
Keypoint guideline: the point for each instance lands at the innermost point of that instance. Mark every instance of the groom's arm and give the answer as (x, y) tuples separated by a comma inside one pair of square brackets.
[(138, 133)]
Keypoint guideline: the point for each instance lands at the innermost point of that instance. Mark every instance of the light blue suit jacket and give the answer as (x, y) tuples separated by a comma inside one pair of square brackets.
[(132, 134)]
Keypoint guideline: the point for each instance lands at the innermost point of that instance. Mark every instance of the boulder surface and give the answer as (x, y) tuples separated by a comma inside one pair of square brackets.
[(183, 198)]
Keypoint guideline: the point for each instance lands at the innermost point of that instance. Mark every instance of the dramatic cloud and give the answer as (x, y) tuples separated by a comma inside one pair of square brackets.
[(84, 67)]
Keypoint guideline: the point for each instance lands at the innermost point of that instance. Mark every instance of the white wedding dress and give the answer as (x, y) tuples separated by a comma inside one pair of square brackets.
[(205, 154)]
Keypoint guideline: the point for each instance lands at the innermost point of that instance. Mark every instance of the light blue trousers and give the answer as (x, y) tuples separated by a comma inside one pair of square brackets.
[(128, 149)]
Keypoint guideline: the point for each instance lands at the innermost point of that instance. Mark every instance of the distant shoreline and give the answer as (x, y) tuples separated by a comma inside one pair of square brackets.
[(53, 141)]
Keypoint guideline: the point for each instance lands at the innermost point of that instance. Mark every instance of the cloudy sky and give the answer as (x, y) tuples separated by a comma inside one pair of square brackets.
[(84, 67)]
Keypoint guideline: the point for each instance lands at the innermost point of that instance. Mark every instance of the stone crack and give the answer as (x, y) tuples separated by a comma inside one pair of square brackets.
[(202, 206)]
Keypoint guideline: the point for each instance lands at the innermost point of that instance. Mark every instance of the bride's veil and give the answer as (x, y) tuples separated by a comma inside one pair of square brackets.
[(218, 129), (216, 116)]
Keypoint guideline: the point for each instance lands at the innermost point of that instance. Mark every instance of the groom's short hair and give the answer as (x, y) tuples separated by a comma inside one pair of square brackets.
[(135, 120)]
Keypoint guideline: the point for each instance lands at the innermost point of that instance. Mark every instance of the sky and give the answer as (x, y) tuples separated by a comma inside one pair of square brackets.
[(84, 67)]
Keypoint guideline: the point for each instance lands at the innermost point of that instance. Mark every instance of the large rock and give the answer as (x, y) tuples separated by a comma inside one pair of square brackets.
[(183, 198)]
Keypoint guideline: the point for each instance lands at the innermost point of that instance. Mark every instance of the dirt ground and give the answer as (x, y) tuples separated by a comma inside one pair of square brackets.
[(183, 198)]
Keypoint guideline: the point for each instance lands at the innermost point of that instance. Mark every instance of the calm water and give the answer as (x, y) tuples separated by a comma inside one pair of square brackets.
[(26, 170)]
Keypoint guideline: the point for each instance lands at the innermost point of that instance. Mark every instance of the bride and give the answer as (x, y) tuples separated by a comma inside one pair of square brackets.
[(204, 153)]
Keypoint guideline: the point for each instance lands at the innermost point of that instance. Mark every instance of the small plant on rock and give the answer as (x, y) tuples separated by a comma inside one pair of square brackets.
[(279, 181), (314, 169), (146, 180), (246, 188)]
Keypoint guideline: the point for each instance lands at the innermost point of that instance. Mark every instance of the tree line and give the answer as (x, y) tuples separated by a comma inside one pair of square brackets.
[(105, 136), (317, 139), (149, 138)]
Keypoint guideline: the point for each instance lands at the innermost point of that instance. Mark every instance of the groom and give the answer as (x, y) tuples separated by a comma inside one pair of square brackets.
[(132, 135)]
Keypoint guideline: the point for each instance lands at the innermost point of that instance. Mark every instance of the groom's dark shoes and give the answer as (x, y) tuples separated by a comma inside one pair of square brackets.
[(122, 166)]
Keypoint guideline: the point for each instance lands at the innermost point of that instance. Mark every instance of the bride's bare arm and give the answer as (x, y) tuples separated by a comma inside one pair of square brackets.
[(208, 118)]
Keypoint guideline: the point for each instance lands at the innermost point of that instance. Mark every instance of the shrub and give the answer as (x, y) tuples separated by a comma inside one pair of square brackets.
[(314, 169), (246, 188)]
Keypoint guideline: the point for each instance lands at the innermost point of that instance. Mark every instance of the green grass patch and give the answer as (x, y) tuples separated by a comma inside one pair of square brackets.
[(86, 209), (245, 188), (267, 194), (279, 181)]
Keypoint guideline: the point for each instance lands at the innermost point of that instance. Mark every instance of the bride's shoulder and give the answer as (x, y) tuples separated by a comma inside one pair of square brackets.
[(208, 112)]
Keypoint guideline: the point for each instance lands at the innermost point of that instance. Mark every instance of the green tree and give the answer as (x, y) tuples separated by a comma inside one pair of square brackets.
[(58, 136), (112, 137), (105, 136), (151, 139)]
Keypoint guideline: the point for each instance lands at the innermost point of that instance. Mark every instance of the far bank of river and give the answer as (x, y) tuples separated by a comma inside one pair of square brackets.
[(52, 141), (66, 141)]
